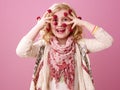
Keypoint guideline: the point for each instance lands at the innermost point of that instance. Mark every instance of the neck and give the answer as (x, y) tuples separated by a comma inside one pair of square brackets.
[(62, 41)]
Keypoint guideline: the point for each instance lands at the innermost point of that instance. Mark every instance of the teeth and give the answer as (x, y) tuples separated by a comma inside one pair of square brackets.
[(60, 30)]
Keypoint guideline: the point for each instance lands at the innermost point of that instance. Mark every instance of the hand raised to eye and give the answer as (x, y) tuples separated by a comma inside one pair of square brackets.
[(43, 21), (75, 20)]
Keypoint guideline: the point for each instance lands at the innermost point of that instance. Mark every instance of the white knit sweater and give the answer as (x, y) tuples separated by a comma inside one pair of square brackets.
[(101, 41)]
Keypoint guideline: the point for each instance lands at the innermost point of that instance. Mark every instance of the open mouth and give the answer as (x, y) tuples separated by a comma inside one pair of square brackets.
[(60, 30)]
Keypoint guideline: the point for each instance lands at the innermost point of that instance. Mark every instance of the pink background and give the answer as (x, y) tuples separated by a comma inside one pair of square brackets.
[(17, 17)]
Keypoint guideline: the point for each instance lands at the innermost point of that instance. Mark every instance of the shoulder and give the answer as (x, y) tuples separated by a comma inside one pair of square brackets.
[(82, 46), (81, 42)]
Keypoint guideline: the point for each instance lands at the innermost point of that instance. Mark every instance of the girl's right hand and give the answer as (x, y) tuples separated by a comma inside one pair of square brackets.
[(43, 21)]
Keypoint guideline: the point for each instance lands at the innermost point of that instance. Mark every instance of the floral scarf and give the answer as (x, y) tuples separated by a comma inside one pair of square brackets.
[(61, 61)]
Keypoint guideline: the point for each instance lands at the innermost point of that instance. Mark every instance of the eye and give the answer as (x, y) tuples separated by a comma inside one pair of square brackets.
[(55, 20), (66, 19)]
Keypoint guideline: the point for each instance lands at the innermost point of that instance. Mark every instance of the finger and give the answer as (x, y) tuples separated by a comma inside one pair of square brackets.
[(71, 22), (73, 26), (44, 15), (38, 20), (48, 21), (71, 17), (47, 18), (73, 14)]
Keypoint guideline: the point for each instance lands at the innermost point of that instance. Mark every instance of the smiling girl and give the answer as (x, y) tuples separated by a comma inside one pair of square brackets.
[(64, 62)]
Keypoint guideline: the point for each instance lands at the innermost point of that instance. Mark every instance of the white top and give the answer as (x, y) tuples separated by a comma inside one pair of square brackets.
[(101, 41)]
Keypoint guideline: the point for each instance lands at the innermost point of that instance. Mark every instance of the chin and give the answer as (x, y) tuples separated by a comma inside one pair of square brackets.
[(62, 37)]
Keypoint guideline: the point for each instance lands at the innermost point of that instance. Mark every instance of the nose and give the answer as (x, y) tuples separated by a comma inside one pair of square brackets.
[(59, 23)]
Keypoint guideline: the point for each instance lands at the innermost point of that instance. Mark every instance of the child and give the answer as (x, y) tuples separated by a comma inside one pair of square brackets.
[(62, 51)]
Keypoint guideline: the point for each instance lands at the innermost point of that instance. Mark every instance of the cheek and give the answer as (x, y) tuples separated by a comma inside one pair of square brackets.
[(53, 26), (55, 23), (68, 27)]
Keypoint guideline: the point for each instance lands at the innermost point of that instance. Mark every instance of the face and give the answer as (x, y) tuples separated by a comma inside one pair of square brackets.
[(58, 25)]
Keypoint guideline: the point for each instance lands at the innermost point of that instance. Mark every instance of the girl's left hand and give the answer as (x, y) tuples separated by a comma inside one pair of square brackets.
[(75, 21)]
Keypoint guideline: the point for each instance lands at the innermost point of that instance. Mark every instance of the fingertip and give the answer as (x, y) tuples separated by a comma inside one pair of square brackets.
[(73, 26), (38, 18), (79, 18)]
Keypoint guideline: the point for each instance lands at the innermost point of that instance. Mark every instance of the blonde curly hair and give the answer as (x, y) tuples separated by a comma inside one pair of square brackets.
[(77, 31)]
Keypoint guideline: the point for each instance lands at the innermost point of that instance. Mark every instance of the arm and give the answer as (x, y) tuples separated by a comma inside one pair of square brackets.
[(27, 47), (101, 40)]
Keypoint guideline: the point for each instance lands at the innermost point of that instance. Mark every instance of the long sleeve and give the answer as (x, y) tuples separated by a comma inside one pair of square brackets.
[(27, 48), (101, 41)]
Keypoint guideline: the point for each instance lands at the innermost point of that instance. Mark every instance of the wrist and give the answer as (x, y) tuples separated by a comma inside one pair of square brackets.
[(39, 25), (94, 29), (88, 26), (83, 23)]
